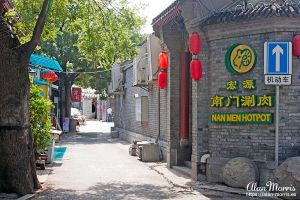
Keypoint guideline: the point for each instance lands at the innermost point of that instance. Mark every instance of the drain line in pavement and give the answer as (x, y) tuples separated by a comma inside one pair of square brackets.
[(186, 189)]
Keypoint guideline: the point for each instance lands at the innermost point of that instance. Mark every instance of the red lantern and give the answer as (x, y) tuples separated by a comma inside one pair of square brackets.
[(49, 76), (163, 80), (195, 43), (196, 70), (296, 46), (163, 61), (53, 79)]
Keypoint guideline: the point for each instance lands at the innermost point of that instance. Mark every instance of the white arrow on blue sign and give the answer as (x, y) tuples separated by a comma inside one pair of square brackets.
[(278, 63)]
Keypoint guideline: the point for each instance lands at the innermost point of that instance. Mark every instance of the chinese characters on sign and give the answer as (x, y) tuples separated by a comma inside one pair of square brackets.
[(247, 84), (232, 85), (243, 101), (76, 94), (249, 101), (278, 79), (240, 58)]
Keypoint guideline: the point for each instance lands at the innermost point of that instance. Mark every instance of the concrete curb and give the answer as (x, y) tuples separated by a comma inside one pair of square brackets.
[(188, 185), (26, 197)]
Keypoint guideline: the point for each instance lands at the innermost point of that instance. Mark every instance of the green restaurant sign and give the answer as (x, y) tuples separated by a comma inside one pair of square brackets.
[(245, 118), (239, 60), (244, 101)]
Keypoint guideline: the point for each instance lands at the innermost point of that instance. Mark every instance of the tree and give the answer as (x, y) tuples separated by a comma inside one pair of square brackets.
[(87, 35), (17, 163), (40, 122)]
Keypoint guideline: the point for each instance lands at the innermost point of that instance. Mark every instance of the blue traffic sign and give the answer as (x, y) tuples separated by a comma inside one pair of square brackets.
[(278, 58)]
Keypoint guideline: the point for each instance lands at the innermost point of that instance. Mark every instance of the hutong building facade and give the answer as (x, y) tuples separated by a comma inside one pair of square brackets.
[(231, 112)]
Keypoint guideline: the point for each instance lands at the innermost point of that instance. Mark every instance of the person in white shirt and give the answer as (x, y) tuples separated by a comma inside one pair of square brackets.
[(109, 114)]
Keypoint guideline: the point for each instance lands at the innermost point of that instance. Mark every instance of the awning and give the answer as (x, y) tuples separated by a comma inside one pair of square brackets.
[(40, 82), (45, 62)]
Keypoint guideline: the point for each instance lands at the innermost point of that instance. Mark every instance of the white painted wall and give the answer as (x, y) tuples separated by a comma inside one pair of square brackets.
[(87, 107)]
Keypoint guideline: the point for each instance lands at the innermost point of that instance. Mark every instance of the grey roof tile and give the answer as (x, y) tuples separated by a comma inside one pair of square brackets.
[(258, 11)]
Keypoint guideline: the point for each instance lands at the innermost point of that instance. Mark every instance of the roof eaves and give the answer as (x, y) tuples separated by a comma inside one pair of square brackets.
[(169, 13), (258, 11)]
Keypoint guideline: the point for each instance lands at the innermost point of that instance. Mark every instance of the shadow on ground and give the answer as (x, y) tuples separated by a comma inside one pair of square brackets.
[(84, 138), (116, 191), (122, 191)]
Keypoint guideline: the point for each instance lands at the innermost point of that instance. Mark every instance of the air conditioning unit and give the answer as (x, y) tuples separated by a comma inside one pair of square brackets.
[(140, 64), (154, 49), (117, 79), (148, 152)]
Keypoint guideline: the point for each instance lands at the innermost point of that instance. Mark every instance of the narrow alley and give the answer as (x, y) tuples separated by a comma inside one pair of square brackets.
[(95, 166), (149, 99)]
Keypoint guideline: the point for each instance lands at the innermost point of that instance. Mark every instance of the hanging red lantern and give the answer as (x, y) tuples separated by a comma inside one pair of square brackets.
[(163, 80), (46, 74), (195, 43), (53, 79), (49, 76), (196, 70), (296, 45), (163, 61)]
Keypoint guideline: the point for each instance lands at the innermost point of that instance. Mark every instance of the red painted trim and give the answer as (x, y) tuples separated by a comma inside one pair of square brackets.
[(184, 96)]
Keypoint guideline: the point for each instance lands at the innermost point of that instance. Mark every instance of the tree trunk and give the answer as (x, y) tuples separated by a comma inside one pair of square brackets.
[(17, 160), (69, 81), (68, 101)]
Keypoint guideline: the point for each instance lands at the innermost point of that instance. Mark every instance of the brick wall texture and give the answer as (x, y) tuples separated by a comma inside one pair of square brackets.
[(125, 116), (256, 142), (221, 141)]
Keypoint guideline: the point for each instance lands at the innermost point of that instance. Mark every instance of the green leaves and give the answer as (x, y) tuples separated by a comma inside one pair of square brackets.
[(40, 122), (88, 34)]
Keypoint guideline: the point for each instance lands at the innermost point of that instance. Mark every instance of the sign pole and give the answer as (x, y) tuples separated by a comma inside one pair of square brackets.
[(277, 126), (278, 68)]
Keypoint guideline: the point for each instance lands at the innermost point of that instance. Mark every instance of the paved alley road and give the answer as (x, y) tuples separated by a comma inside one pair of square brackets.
[(93, 167)]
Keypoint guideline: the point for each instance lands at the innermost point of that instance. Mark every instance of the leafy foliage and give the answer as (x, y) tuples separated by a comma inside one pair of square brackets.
[(40, 122), (85, 35), (29, 10)]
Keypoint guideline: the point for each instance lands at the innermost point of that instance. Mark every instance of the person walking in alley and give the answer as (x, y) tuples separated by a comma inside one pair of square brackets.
[(109, 114)]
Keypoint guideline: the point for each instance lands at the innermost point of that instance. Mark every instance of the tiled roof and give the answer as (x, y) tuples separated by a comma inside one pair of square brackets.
[(258, 11), (169, 13), (205, 8)]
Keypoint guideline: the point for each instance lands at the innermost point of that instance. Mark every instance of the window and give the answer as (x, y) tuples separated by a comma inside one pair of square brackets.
[(141, 108)]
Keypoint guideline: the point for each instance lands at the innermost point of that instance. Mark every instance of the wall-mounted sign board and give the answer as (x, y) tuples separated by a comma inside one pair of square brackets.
[(278, 63)]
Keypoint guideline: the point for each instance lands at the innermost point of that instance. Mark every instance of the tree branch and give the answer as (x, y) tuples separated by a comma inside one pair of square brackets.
[(30, 46)]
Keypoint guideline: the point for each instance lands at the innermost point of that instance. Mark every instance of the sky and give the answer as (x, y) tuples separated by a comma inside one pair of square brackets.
[(152, 9)]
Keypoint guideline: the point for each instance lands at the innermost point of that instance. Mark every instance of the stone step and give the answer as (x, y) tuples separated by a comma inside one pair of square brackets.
[(114, 134), (188, 164), (183, 170)]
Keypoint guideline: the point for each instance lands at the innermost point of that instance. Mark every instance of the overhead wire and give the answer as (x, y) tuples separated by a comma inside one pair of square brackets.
[(70, 72)]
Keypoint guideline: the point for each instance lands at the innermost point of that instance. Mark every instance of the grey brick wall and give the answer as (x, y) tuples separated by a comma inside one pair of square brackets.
[(174, 40), (125, 116), (252, 141), (200, 92)]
